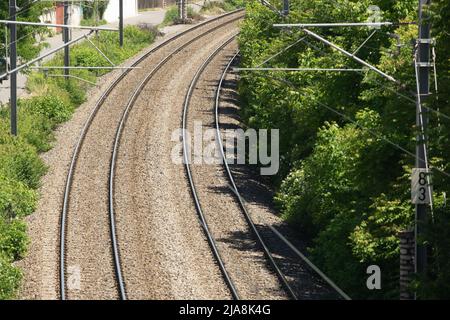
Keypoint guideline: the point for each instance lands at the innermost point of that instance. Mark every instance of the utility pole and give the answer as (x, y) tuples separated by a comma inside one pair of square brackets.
[(66, 38), (285, 7), (182, 8), (423, 70), (13, 63), (121, 23)]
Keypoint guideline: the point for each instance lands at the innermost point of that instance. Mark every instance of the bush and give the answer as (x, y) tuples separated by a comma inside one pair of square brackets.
[(16, 200), (85, 56), (93, 22), (344, 181), (50, 106), (172, 16), (10, 277), (13, 238), (33, 128), (217, 7), (21, 162)]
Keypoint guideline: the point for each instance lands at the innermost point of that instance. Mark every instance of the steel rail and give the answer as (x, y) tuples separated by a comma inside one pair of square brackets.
[(198, 206), (106, 93), (247, 216), (124, 118)]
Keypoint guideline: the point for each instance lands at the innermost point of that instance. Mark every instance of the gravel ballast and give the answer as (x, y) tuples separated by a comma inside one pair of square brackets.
[(257, 195), (166, 254), (242, 255), (88, 247)]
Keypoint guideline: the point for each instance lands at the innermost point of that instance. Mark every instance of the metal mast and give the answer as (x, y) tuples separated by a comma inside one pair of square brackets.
[(13, 63), (66, 39), (422, 65)]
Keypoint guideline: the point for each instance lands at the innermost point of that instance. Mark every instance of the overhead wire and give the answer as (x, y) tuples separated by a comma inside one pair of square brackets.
[(303, 39), (367, 129)]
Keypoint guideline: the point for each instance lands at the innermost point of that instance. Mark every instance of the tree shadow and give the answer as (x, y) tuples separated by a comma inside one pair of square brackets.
[(256, 190)]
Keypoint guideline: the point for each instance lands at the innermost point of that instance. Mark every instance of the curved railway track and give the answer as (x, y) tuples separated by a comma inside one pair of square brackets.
[(209, 234), (233, 16), (330, 287)]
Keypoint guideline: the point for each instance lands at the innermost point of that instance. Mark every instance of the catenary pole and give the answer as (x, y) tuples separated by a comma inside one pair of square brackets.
[(285, 7), (121, 23), (66, 35), (423, 70), (13, 63)]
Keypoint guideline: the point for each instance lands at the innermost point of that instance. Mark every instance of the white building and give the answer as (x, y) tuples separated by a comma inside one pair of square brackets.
[(130, 9), (56, 15)]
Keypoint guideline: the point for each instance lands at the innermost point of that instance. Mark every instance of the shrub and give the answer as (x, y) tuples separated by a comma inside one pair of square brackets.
[(93, 22), (13, 238), (21, 162), (50, 106), (172, 16), (85, 56), (216, 7), (16, 200), (10, 277), (33, 128), (345, 183)]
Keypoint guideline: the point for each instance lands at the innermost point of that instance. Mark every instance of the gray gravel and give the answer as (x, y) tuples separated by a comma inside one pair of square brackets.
[(167, 255), (258, 195), (88, 245), (243, 257)]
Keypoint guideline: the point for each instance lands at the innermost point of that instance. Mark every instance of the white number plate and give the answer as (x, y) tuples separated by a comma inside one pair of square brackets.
[(421, 190)]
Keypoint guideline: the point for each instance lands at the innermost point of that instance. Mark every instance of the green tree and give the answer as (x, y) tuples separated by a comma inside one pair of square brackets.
[(344, 178), (27, 45)]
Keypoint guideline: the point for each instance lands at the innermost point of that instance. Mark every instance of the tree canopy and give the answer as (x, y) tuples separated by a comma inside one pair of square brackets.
[(27, 46), (344, 181)]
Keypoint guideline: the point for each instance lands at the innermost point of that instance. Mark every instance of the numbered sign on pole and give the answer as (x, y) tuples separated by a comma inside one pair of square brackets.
[(421, 189)]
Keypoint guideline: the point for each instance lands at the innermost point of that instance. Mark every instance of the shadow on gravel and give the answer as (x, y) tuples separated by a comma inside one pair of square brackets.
[(301, 277), (255, 189)]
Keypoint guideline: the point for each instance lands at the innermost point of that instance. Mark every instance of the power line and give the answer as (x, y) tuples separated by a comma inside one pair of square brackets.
[(387, 87), (372, 132), (280, 52), (348, 54), (365, 41), (299, 69), (437, 112), (24, 8)]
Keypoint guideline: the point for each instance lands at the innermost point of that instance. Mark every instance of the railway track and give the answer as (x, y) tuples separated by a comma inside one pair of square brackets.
[(81, 167), (197, 198), (317, 285)]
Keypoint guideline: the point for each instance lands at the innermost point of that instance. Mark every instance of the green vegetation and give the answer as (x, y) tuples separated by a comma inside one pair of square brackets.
[(53, 102), (342, 184), (93, 22), (94, 9), (217, 7), (172, 16), (85, 55), (27, 46)]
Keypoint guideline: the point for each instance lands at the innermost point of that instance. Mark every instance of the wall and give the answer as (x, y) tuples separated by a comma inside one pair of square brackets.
[(130, 9), (56, 15)]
